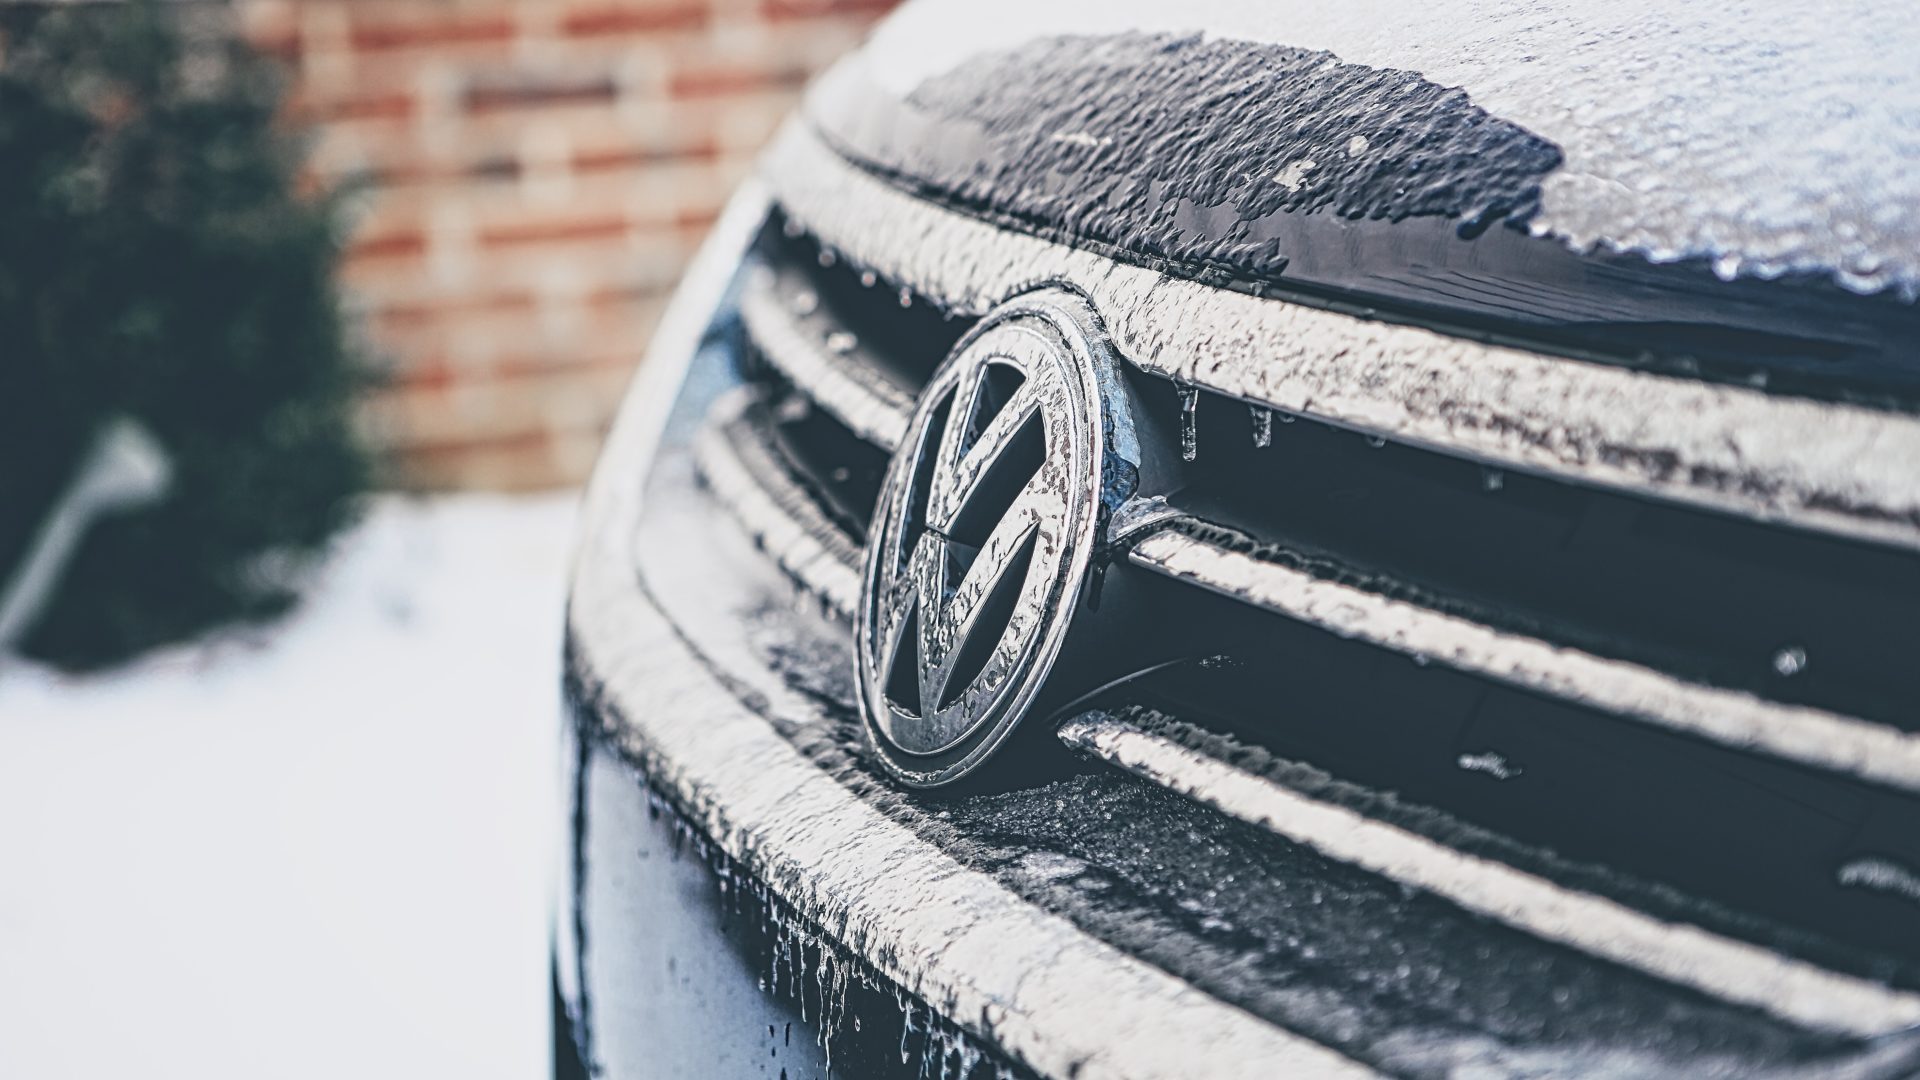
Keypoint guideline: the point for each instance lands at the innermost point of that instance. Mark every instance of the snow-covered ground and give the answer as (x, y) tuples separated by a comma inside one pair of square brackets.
[(318, 853)]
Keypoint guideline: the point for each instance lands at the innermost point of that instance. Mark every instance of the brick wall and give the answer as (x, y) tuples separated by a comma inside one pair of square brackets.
[(535, 175)]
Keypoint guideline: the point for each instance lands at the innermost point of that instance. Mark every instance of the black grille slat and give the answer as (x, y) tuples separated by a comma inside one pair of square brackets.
[(1711, 599), (849, 359)]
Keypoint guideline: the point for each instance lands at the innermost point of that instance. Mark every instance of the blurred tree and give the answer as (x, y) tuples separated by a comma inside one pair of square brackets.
[(159, 261)]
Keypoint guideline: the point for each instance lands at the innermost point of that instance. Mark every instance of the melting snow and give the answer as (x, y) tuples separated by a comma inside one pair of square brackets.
[(319, 851)]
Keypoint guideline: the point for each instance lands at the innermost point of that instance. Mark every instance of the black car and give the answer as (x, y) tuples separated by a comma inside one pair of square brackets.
[(1232, 539)]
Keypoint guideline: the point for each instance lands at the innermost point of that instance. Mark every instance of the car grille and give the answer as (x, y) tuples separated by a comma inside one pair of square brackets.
[(1701, 715)]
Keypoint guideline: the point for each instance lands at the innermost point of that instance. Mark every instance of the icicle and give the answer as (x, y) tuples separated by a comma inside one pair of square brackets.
[(800, 982), (820, 988), (1262, 425), (1189, 435), (779, 946)]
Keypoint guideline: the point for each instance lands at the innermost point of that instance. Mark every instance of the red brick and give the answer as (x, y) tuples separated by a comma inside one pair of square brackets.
[(603, 20), (426, 26), (431, 373), (393, 245), (395, 318), (556, 231), (522, 440), (390, 106)]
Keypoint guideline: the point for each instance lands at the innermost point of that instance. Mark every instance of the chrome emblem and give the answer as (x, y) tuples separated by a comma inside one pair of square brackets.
[(986, 528)]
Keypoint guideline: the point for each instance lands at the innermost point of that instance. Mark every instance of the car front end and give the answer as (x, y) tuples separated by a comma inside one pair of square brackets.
[(1292, 549)]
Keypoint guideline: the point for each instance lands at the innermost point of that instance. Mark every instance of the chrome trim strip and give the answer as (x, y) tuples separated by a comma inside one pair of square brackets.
[(1011, 973), (1839, 469), (1686, 955), (627, 455), (1799, 733), (848, 386), (732, 456)]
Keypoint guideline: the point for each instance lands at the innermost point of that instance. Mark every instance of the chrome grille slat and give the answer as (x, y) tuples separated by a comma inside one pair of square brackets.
[(745, 473), (1732, 970), (1805, 735), (845, 381), (1838, 469)]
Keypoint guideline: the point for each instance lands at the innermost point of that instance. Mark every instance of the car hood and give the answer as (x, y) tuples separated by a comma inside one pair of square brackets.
[(1720, 187)]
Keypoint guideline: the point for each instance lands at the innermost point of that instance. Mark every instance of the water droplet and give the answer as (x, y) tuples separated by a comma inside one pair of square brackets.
[(1262, 425), (1189, 434), (841, 342), (1490, 764), (1376, 441), (806, 302), (1492, 479), (827, 257), (792, 228), (794, 408), (906, 297), (867, 278), (1790, 661)]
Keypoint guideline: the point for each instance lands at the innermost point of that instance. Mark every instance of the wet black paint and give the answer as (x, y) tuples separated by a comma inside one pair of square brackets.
[(701, 970), (1226, 135), (1278, 169)]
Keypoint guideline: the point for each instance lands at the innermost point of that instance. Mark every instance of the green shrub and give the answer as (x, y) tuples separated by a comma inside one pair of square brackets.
[(159, 261)]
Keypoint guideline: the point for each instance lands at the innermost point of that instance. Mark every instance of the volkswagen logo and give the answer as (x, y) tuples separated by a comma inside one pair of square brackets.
[(986, 534)]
